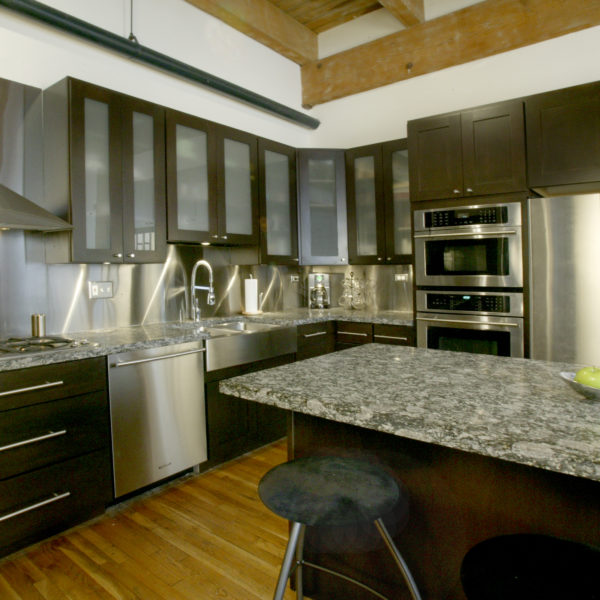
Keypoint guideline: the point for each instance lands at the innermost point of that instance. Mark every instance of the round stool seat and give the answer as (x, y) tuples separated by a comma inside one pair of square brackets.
[(333, 491), (531, 567)]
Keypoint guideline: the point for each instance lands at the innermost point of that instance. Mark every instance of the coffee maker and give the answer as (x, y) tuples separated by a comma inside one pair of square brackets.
[(319, 291)]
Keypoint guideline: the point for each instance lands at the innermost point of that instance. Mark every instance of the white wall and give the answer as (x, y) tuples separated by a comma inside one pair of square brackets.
[(38, 55), (381, 114)]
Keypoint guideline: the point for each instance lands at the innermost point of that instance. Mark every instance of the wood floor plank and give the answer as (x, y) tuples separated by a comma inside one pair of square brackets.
[(202, 537)]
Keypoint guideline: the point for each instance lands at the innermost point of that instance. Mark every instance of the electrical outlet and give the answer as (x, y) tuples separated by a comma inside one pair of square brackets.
[(400, 277), (100, 289), (294, 278)]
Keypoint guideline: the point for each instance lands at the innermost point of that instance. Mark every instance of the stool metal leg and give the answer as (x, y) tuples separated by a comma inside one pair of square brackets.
[(412, 586), (299, 563), (288, 558)]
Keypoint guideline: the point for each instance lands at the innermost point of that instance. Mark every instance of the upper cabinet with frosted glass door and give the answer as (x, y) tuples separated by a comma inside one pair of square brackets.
[(104, 154), (278, 206), (378, 204), (211, 182), (322, 207)]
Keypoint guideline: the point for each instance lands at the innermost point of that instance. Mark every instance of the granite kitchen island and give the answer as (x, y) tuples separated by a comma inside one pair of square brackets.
[(485, 445)]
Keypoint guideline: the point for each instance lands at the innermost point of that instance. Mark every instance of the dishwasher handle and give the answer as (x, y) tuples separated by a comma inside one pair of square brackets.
[(153, 358)]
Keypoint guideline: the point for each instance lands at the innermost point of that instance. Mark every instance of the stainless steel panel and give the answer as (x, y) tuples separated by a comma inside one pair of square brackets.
[(157, 411), (564, 278), (243, 346)]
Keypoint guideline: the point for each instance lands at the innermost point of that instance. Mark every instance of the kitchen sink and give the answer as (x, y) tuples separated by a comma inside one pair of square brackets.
[(238, 342)]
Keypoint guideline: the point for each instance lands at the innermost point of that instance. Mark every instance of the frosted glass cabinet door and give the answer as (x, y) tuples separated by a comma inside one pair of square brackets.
[(323, 222), (144, 209), (237, 186), (397, 202), (191, 181), (366, 229), (278, 207), (95, 174)]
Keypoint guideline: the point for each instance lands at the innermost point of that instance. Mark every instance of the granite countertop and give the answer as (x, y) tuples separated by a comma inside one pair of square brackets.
[(124, 339), (518, 410)]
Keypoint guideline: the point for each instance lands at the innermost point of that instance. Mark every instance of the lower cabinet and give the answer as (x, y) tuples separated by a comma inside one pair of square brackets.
[(55, 461), (235, 426), (315, 339), (350, 334)]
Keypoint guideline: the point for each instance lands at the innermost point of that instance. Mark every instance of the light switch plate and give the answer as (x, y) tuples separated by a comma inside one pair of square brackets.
[(294, 278), (100, 289)]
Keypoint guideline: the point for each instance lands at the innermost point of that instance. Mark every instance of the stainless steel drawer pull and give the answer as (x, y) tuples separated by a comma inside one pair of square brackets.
[(469, 234), (354, 333), (41, 438), (314, 334), (477, 323), (32, 388), (145, 360), (54, 498), (391, 337)]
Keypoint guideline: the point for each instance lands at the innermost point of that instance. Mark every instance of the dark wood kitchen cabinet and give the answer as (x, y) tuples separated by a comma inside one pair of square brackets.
[(378, 204), (315, 339), (105, 155), (234, 425), (55, 465), (563, 138), (474, 152), (212, 184), (349, 334), (278, 203), (322, 207)]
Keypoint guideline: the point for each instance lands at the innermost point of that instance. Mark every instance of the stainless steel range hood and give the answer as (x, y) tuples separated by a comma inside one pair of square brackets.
[(16, 212)]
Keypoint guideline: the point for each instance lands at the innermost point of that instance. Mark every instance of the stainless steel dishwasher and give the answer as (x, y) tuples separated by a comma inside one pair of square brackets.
[(157, 413)]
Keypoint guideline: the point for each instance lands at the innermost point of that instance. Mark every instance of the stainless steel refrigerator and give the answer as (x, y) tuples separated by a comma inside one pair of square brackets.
[(565, 278)]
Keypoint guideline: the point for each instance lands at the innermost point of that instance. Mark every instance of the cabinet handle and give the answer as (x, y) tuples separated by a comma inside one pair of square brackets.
[(131, 255), (32, 388), (54, 498), (456, 191), (470, 190), (379, 258), (40, 438), (314, 334), (215, 236), (353, 333), (145, 360), (224, 237), (118, 255), (389, 258), (295, 259), (463, 234), (391, 337)]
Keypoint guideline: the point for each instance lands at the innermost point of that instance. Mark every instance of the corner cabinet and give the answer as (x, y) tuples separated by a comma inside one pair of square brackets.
[(278, 204), (105, 153), (212, 185), (322, 207), (379, 230), (563, 137), (470, 153)]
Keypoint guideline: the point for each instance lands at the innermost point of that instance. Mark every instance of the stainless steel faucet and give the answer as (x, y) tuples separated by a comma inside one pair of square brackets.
[(210, 296)]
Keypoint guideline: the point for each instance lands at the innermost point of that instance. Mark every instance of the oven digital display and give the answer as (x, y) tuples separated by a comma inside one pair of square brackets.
[(486, 215), (472, 303)]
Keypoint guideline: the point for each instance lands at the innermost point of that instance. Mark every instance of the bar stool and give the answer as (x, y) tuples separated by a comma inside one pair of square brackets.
[(531, 567), (330, 491)]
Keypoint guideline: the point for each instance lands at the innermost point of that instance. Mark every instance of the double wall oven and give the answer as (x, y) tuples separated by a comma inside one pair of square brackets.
[(469, 277)]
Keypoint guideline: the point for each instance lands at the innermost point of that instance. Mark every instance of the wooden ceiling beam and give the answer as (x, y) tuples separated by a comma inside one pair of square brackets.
[(267, 24), (484, 29), (408, 12)]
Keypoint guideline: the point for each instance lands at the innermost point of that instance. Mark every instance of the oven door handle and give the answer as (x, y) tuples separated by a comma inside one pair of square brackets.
[(460, 322), (465, 234)]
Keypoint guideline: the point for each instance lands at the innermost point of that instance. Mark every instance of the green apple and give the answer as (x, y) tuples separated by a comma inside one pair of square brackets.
[(588, 376)]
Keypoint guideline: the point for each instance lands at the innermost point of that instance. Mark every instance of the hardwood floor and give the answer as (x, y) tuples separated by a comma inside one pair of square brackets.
[(206, 536)]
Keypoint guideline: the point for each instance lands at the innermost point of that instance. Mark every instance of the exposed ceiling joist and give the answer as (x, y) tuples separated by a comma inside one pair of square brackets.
[(475, 32), (408, 12), (267, 24)]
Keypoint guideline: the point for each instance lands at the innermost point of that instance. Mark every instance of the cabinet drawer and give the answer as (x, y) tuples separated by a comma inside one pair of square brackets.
[(354, 333), (49, 382), (46, 501), (394, 334), (315, 339), (35, 436)]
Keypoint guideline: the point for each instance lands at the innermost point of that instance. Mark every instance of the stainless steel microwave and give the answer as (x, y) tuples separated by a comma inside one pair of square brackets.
[(469, 246)]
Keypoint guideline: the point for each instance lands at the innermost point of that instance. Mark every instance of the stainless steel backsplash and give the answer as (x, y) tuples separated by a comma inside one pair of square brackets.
[(155, 293)]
